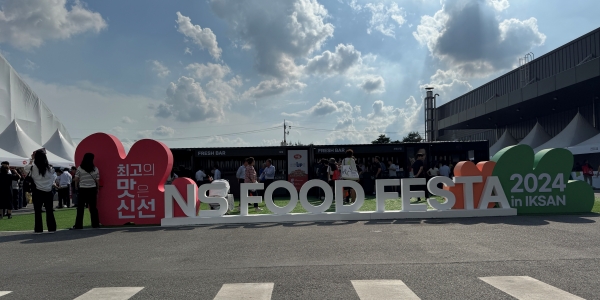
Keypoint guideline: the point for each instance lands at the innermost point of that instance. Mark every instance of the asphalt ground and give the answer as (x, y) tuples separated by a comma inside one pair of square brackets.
[(436, 259)]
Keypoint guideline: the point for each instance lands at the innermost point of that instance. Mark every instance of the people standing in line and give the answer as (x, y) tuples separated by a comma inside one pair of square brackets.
[(172, 176), (73, 186), (268, 175), (393, 172), (6, 190), (334, 172), (43, 176), (241, 176), (445, 170), (15, 188), (216, 172), (588, 172), (433, 171), (88, 178), (350, 161), (64, 185), (418, 170), (200, 175), (250, 177)]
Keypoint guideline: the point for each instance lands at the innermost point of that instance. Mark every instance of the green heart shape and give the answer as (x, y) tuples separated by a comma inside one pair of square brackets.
[(539, 183)]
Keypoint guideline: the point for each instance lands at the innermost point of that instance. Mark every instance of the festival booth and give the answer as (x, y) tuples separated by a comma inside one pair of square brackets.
[(536, 137), (13, 160), (188, 161), (504, 141)]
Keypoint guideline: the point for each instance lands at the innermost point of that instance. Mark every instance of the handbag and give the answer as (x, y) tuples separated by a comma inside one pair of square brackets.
[(28, 183), (348, 173)]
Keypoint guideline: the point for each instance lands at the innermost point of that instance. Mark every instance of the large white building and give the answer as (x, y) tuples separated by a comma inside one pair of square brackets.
[(27, 124)]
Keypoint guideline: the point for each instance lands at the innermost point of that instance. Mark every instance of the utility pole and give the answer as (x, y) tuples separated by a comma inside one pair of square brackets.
[(286, 132)]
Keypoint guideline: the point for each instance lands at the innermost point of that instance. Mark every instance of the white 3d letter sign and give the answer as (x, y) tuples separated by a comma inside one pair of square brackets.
[(410, 188)]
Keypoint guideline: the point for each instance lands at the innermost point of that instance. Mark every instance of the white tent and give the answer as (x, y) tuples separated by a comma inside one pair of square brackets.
[(536, 137), (591, 145), (36, 125), (504, 141), (576, 132), (58, 145), (13, 160), (14, 140)]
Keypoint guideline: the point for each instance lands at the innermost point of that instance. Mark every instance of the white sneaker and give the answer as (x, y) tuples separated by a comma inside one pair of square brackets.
[(257, 209)]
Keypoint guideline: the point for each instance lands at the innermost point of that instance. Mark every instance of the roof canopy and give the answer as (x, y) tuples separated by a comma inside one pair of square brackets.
[(576, 132), (14, 140), (504, 141), (60, 146), (536, 137), (13, 160), (591, 145)]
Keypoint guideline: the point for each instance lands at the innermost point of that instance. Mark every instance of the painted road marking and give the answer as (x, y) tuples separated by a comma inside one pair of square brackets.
[(383, 289), (527, 288), (110, 293), (4, 293), (255, 291)]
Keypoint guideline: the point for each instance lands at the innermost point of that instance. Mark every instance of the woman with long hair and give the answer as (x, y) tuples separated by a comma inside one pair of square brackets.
[(88, 178), (43, 176)]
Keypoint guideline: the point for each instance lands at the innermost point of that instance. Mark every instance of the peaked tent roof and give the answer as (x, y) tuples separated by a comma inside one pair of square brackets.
[(58, 145), (576, 132), (13, 160), (536, 137), (591, 145), (504, 141), (14, 140)]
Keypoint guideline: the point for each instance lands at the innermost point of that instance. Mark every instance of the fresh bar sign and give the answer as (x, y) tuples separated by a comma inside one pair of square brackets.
[(540, 183)]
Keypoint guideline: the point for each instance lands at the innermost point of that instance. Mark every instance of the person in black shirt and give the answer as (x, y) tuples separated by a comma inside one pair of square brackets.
[(418, 169)]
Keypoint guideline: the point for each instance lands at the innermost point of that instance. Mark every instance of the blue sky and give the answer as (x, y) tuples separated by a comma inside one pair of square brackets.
[(338, 71)]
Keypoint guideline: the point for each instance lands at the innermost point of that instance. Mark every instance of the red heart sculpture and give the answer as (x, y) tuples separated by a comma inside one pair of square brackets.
[(467, 168), (132, 185)]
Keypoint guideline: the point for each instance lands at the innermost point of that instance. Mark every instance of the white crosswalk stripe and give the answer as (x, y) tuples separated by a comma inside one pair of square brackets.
[(110, 293), (255, 291), (383, 289), (3, 293), (527, 288)]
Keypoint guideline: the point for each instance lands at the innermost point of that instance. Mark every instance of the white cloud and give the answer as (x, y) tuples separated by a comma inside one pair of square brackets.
[(326, 106), (383, 18), (127, 120), (472, 40), (27, 24), (187, 102), (500, 5), (29, 65), (373, 84), (203, 37), (160, 131), (161, 70), (209, 70), (448, 84), (273, 87), (225, 141), (118, 129), (338, 62), (187, 51), (295, 29)]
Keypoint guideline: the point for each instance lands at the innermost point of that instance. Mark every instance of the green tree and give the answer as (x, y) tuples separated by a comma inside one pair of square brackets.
[(382, 139), (412, 137)]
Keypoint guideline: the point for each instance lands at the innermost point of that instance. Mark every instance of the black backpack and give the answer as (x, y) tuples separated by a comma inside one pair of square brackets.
[(28, 184)]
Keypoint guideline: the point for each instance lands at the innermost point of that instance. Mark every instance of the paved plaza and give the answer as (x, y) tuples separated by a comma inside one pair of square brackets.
[(496, 258)]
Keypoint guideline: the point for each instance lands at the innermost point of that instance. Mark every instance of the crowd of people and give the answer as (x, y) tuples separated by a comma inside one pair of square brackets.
[(39, 182)]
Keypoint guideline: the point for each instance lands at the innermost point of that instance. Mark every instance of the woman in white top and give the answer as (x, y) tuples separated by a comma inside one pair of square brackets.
[(349, 160), (434, 171), (43, 176), (88, 178)]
